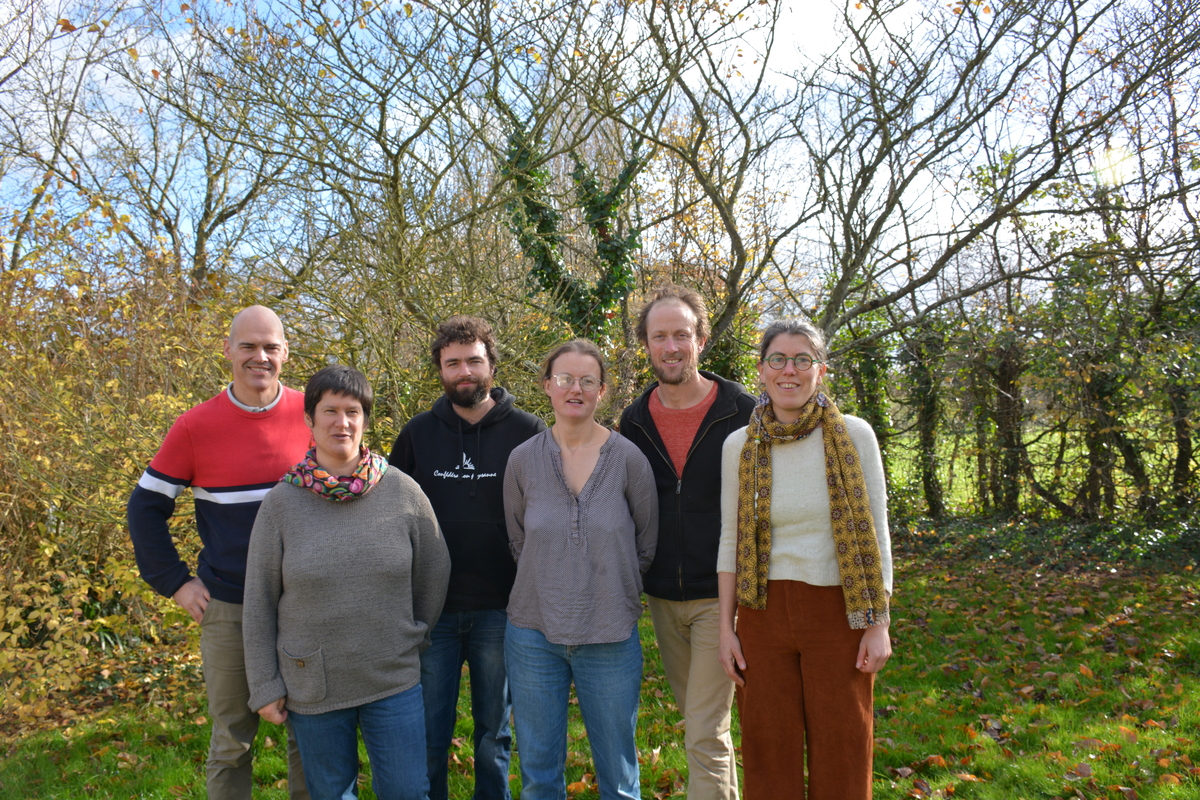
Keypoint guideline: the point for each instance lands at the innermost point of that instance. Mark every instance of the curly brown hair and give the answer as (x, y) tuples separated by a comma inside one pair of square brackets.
[(462, 329)]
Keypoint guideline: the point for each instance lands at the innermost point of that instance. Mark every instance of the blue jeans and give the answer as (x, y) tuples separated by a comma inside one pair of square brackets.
[(608, 679), (393, 730), (476, 637)]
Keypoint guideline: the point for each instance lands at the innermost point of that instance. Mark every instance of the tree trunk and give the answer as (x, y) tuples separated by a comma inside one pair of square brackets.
[(981, 414), (869, 376), (1181, 472), (1009, 427), (925, 351)]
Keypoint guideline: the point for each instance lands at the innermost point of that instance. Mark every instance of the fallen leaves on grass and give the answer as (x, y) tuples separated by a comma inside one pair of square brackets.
[(165, 674), (1005, 669), (580, 786)]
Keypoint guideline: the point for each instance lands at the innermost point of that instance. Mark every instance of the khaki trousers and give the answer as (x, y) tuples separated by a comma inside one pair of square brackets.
[(804, 703), (688, 634), (229, 769)]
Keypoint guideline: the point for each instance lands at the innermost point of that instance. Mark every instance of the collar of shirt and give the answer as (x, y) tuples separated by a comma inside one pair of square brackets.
[(253, 409)]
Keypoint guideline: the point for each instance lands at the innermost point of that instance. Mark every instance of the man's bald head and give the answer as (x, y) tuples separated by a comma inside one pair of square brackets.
[(256, 316), (256, 349)]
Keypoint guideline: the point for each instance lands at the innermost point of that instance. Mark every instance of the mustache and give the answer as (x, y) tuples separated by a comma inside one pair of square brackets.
[(468, 391)]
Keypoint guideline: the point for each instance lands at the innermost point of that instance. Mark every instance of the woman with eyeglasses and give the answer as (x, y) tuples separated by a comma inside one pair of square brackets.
[(582, 515), (804, 575)]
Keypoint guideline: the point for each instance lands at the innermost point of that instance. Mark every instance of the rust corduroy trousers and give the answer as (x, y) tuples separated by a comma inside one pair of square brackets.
[(805, 707)]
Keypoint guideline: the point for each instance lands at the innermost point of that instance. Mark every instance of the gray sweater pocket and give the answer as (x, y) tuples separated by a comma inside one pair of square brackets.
[(304, 676)]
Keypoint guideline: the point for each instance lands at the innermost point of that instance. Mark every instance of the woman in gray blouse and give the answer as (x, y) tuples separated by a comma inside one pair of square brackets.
[(346, 575), (582, 516)]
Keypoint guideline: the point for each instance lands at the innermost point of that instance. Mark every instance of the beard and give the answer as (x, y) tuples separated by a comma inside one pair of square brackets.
[(684, 371), (467, 396)]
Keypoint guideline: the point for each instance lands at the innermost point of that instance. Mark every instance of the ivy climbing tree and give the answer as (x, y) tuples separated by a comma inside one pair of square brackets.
[(587, 308)]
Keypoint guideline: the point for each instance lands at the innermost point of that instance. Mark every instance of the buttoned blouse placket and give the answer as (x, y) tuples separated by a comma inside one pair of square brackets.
[(577, 532)]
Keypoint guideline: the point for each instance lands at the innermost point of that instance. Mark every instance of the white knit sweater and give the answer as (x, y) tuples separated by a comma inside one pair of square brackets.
[(801, 528)]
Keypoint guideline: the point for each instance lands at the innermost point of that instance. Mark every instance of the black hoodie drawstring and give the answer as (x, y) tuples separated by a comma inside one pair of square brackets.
[(462, 449), (478, 455), (462, 453)]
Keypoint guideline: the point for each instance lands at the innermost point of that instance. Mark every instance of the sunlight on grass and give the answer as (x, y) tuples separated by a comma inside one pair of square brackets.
[(1014, 676), (1010, 682)]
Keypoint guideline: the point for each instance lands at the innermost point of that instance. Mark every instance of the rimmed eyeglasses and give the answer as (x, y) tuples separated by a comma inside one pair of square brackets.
[(587, 383), (779, 361)]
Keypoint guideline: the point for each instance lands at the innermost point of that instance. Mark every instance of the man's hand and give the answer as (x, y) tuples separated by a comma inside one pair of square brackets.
[(193, 597), (274, 712)]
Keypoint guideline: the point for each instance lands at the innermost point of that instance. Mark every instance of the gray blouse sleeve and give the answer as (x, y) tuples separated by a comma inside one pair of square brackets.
[(514, 504), (641, 493)]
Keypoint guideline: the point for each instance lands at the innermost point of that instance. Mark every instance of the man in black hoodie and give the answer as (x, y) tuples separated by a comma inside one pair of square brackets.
[(457, 452), (680, 423)]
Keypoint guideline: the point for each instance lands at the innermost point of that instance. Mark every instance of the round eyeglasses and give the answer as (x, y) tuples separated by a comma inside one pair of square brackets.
[(802, 362), (587, 383)]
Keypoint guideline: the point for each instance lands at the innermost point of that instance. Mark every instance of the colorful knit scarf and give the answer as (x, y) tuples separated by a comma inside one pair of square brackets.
[(308, 475), (859, 564)]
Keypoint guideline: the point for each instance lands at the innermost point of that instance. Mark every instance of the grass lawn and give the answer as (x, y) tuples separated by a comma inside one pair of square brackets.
[(1018, 673)]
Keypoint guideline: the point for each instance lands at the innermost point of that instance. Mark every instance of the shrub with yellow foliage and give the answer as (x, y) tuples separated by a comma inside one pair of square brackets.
[(98, 362)]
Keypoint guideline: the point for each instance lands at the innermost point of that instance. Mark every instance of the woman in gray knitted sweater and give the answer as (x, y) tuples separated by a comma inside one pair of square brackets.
[(346, 575)]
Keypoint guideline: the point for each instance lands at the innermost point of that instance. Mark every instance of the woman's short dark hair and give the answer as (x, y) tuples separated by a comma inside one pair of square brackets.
[(461, 329), (583, 347), (338, 379), (794, 327), (688, 298)]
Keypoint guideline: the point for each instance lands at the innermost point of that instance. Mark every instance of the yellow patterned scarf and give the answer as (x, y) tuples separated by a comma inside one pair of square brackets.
[(859, 564)]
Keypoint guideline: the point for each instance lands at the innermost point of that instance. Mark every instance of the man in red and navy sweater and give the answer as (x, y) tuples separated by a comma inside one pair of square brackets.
[(231, 450)]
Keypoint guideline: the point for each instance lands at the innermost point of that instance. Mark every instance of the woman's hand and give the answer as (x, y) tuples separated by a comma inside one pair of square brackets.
[(274, 712), (731, 657), (874, 649), (730, 646)]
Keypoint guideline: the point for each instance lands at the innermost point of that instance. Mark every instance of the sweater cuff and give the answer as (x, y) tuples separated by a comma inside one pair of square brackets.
[(269, 692)]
